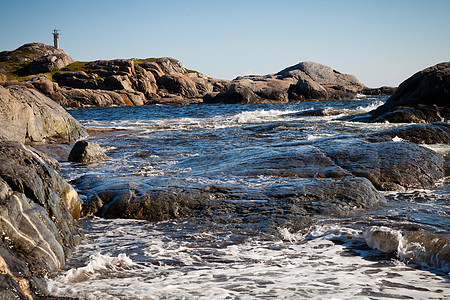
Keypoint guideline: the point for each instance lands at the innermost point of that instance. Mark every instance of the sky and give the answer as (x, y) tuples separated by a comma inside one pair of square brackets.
[(381, 42)]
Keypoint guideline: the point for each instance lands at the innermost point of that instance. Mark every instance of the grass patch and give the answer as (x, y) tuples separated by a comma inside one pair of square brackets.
[(140, 61), (191, 71), (15, 70)]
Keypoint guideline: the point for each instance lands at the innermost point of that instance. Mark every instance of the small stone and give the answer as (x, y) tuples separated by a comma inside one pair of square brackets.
[(87, 152)]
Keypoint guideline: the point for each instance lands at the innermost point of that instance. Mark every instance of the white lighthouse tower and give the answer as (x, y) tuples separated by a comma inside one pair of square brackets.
[(56, 38)]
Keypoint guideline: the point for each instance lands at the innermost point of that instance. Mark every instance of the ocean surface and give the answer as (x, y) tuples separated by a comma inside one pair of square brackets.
[(250, 254)]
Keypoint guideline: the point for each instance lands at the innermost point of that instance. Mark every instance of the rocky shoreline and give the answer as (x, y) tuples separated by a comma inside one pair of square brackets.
[(38, 209), (166, 81)]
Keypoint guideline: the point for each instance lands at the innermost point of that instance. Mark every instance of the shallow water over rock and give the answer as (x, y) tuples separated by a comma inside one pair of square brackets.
[(254, 201)]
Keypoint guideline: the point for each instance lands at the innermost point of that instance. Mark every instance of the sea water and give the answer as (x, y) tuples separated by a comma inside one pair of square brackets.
[(225, 257)]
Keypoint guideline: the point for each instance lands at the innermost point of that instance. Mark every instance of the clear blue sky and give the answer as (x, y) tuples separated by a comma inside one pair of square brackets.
[(382, 42)]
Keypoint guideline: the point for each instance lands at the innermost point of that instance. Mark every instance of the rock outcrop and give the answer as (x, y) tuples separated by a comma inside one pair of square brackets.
[(87, 152), (422, 98), (37, 211), (304, 81), (37, 58), (127, 82), (26, 115)]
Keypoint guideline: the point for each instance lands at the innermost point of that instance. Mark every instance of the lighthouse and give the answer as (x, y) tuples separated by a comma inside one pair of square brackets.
[(56, 38)]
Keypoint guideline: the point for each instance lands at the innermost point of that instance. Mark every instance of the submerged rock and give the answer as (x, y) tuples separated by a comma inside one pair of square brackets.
[(26, 115), (37, 211), (87, 152), (422, 98)]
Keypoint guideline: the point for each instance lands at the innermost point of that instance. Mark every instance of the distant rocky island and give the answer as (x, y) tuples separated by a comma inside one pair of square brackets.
[(38, 207), (166, 81)]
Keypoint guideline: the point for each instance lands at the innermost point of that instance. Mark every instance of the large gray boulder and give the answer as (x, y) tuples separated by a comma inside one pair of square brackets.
[(304, 81), (37, 211), (422, 98), (26, 115), (323, 75)]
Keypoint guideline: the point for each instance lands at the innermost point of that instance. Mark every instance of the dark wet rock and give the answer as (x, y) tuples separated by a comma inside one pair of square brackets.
[(37, 211), (384, 90), (87, 152), (388, 165), (247, 91), (26, 115), (10, 288), (424, 97), (432, 133), (139, 198), (319, 112), (134, 198), (328, 196)]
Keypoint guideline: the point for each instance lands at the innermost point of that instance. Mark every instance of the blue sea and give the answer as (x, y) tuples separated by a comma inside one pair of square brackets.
[(259, 251)]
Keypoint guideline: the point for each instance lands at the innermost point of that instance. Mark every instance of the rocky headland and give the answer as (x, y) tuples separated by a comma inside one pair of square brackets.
[(336, 175), (166, 81)]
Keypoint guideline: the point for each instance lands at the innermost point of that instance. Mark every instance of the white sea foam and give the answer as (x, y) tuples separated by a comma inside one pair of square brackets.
[(397, 139), (247, 117), (99, 266), (372, 106), (416, 247), (298, 265)]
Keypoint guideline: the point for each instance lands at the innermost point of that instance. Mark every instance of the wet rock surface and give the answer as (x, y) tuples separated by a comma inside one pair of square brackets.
[(324, 176), (388, 165), (432, 133), (37, 211)]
